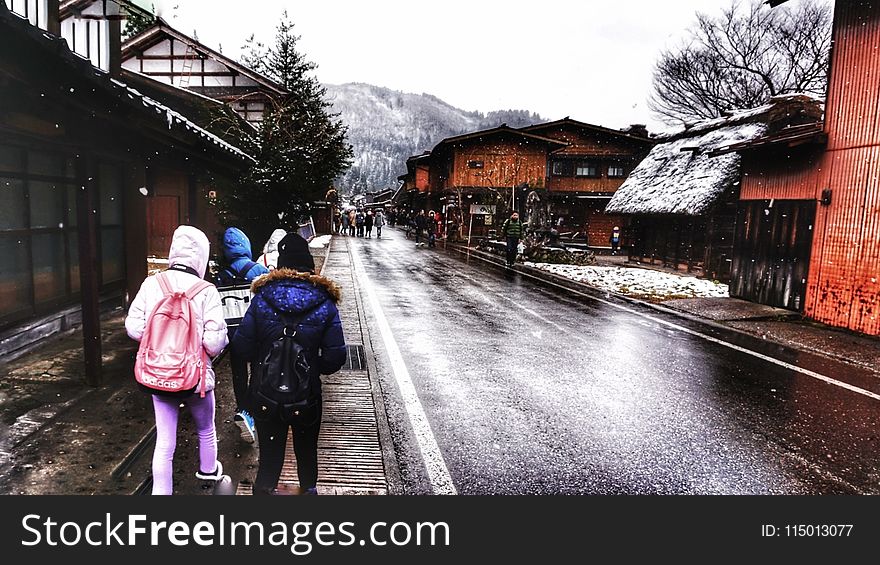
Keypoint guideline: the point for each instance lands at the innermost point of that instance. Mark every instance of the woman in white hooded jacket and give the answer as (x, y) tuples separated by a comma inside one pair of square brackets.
[(187, 259), (269, 258)]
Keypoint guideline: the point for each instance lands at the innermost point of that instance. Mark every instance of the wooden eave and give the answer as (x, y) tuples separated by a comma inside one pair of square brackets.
[(61, 72), (789, 137), (583, 125), (501, 130), (73, 8)]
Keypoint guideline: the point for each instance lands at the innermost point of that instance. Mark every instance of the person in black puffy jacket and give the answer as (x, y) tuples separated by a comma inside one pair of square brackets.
[(293, 289)]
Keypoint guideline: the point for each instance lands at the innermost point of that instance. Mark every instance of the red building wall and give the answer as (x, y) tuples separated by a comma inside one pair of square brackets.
[(845, 266), (844, 275)]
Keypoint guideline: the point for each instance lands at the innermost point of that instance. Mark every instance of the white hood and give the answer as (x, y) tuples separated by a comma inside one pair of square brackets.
[(190, 247), (272, 245)]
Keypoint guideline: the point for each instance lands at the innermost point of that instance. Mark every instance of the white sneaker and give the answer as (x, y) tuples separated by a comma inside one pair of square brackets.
[(216, 475)]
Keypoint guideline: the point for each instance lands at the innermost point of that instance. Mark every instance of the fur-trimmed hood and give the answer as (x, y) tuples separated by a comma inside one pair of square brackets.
[(291, 291)]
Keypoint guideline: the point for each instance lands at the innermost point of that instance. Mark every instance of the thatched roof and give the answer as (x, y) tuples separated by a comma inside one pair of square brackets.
[(686, 175)]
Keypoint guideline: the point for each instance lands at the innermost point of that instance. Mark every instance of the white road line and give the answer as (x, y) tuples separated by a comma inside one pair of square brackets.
[(694, 333), (735, 347), (438, 473)]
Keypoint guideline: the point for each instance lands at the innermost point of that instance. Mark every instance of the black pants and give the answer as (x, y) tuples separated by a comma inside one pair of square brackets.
[(378, 231), (273, 441), (239, 379), (512, 244)]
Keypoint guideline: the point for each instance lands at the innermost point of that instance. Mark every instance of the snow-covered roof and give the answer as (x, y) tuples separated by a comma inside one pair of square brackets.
[(784, 102), (679, 177), (684, 174)]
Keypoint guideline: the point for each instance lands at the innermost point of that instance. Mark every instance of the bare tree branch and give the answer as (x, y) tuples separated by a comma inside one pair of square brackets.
[(742, 58)]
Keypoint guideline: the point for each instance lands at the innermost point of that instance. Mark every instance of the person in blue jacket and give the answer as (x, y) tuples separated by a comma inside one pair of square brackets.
[(239, 269), (295, 291)]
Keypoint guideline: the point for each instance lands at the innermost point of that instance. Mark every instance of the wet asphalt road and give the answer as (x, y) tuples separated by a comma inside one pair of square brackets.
[(529, 389)]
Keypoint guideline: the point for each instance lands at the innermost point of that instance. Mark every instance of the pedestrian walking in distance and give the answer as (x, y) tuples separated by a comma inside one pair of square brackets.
[(421, 224), (368, 223), (379, 222), (615, 240), (290, 303), (512, 230), (188, 260), (359, 222)]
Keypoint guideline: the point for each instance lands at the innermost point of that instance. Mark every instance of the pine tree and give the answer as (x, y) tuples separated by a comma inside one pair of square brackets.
[(137, 22), (300, 147)]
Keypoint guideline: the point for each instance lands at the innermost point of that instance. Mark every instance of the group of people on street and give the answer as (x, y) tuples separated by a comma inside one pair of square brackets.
[(358, 223), (284, 287)]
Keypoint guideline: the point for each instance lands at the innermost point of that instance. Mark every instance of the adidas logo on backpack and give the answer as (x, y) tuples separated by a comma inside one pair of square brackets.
[(171, 359)]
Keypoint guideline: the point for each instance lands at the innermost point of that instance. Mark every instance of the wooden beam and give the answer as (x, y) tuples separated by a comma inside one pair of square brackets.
[(115, 62), (53, 17), (90, 266)]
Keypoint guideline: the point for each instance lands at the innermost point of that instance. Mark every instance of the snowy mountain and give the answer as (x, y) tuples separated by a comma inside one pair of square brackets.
[(387, 126)]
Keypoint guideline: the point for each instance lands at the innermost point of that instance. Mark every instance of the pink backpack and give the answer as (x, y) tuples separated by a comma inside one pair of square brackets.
[(171, 359)]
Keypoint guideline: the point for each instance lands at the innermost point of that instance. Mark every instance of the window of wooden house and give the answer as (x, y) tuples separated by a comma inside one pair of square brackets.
[(616, 171), (586, 169), (15, 276), (561, 168), (475, 164), (13, 204), (50, 266), (38, 231), (10, 159)]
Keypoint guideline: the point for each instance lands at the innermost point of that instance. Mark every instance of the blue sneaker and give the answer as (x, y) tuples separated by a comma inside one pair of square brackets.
[(245, 423), (310, 491)]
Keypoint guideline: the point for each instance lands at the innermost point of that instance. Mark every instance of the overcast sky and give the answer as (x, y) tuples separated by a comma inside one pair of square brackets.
[(590, 60)]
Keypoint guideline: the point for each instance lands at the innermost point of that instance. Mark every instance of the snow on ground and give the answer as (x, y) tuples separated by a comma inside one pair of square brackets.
[(320, 242), (634, 281)]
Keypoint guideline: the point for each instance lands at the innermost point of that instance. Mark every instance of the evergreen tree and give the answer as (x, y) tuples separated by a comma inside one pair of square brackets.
[(300, 146), (136, 22)]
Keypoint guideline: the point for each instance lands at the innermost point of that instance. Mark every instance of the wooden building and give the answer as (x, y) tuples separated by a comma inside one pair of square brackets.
[(585, 174), (682, 198), (492, 168), (414, 188), (824, 177), (167, 55), (185, 197), (77, 150)]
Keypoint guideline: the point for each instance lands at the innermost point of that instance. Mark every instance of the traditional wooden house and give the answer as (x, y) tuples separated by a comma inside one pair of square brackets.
[(585, 174), (682, 197), (77, 150), (167, 55), (808, 237), (414, 189), (486, 171), (177, 197), (92, 28)]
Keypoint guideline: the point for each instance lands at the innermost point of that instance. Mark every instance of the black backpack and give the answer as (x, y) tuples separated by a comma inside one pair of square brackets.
[(281, 386), (230, 277)]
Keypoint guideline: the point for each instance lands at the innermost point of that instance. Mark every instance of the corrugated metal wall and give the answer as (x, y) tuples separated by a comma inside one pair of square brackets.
[(854, 88), (843, 284), (798, 174)]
